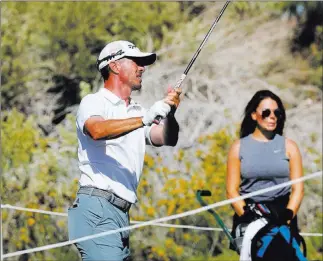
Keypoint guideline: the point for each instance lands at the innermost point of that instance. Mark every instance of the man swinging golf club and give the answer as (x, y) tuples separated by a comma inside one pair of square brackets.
[(112, 132)]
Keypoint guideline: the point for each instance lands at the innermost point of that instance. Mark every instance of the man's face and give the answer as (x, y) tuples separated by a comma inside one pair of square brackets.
[(131, 72)]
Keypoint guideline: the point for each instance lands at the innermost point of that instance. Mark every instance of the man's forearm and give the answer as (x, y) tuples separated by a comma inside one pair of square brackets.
[(109, 129)]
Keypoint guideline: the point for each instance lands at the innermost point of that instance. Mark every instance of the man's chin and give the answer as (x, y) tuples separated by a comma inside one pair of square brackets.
[(136, 87)]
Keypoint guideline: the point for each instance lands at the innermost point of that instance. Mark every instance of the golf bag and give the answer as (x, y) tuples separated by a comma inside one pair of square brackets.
[(279, 243), (275, 241)]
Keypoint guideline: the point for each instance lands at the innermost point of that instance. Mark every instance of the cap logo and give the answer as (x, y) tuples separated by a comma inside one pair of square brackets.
[(109, 57), (132, 46)]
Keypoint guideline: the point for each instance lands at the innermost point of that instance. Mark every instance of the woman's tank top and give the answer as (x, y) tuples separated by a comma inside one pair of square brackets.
[(263, 165)]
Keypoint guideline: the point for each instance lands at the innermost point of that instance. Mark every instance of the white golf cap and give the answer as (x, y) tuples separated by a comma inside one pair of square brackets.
[(118, 49)]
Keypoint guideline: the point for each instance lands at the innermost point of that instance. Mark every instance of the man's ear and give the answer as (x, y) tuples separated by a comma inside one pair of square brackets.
[(114, 67), (254, 116)]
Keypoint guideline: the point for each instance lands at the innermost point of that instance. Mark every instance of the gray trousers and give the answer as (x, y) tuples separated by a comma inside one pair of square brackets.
[(91, 215)]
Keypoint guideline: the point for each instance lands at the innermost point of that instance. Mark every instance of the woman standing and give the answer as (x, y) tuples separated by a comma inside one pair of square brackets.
[(262, 158)]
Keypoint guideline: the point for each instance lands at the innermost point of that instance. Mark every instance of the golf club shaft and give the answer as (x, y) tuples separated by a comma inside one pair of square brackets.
[(205, 39), (180, 81), (222, 225)]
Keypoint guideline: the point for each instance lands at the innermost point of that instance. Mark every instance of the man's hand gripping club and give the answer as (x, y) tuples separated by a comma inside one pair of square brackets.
[(163, 107)]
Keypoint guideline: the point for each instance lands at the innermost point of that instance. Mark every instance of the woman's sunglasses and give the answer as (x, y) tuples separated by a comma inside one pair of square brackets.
[(266, 113)]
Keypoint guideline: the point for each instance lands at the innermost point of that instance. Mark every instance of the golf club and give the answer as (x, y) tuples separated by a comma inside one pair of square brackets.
[(207, 193), (179, 83)]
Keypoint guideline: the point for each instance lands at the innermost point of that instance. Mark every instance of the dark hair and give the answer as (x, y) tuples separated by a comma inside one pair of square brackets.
[(248, 125), (105, 71)]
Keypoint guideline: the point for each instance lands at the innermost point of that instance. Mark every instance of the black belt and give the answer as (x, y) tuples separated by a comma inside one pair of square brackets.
[(112, 198)]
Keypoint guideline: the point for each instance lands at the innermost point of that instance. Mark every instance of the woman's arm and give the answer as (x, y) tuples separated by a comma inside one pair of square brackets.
[(296, 171), (233, 177)]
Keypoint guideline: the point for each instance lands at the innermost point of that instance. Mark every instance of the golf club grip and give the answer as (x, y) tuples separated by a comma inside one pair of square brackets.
[(205, 193), (178, 84)]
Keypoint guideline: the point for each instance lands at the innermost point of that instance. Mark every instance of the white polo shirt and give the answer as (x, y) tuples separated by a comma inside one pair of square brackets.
[(115, 164)]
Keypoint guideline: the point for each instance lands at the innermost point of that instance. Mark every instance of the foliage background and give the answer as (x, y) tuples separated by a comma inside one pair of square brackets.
[(48, 55)]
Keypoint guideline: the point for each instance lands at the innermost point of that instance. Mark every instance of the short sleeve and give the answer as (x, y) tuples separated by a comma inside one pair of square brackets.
[(90, 105)]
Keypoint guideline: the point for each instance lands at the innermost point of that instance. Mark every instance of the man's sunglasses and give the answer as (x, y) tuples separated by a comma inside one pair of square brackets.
[(266, 113)]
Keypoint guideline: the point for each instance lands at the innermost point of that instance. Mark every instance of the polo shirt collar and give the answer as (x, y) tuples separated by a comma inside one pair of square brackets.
[(110, 95), (114, 98)]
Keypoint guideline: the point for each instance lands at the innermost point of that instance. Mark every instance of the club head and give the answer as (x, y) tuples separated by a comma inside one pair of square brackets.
[(204, 193)]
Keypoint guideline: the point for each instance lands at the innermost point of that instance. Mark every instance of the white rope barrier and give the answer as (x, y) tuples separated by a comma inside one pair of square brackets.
[(311, 234), (7, 206), (212, 228), (167, 218), (34, 210), (180, 226)]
